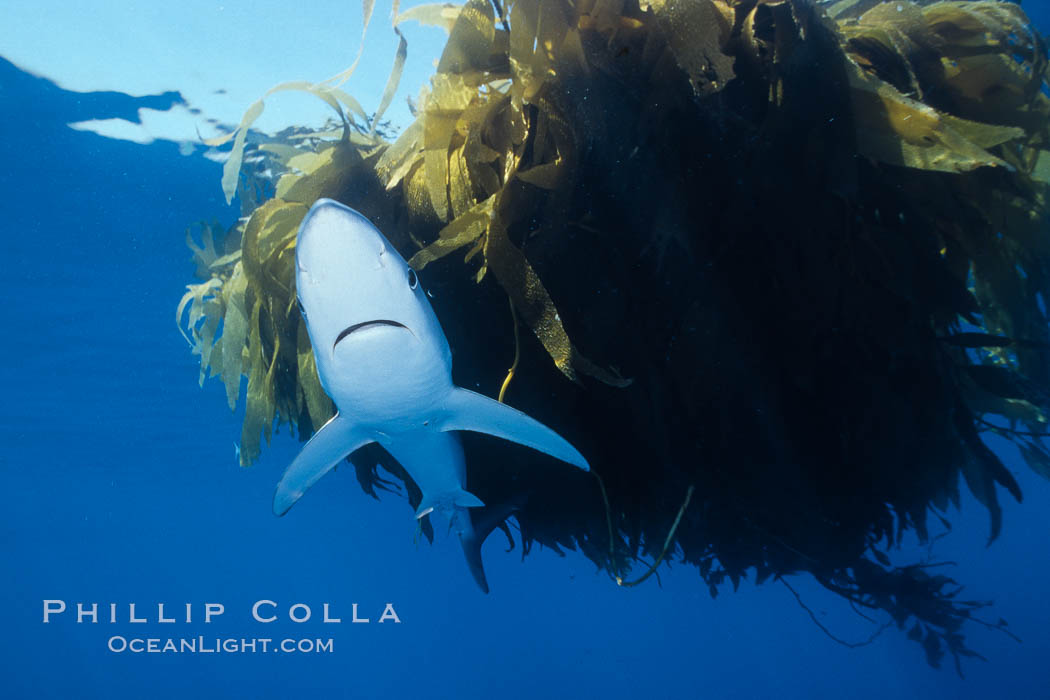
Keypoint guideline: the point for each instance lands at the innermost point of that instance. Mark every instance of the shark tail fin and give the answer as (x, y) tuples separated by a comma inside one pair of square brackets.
[(474, 528), (460, 499), (471, 540), (466, 410)]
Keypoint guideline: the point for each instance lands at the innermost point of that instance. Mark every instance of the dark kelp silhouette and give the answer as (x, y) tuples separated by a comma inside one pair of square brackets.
[(790, 262)]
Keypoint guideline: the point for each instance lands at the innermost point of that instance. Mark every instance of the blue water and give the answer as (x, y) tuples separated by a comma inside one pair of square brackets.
[(121, 486)]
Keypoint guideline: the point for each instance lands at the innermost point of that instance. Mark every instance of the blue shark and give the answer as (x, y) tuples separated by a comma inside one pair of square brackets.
[(384, 360)]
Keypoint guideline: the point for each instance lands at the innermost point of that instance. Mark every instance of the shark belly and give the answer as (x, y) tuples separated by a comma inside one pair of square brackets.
[(435, 462), (393, 385)]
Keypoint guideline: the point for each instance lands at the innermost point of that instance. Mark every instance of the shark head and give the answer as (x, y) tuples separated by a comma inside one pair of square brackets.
[(373, 331)]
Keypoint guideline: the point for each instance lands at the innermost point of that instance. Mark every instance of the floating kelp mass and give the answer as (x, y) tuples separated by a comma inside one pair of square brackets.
[(776, 267)]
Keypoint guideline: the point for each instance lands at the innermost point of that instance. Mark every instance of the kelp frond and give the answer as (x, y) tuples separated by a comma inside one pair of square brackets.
[(812, 237)]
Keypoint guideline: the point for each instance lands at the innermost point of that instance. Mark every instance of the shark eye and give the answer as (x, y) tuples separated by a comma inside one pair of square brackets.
[(412, 279)]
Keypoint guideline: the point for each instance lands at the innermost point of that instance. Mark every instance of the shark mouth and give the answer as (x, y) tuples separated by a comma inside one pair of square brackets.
[(367, 324)]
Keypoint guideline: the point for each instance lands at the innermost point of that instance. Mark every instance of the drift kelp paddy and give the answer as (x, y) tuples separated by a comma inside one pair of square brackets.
[(775, 268)]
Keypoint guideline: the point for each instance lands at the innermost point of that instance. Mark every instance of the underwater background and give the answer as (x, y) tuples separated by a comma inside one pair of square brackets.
[(122, 486)]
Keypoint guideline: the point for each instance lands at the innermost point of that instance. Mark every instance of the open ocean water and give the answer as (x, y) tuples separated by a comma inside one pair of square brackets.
[(120, 485)]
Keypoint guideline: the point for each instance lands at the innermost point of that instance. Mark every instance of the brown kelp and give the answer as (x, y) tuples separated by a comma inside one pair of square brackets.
[(782, 266)]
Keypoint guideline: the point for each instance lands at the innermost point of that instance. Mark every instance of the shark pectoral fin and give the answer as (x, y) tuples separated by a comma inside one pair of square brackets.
[(466, 410), (329, 445)]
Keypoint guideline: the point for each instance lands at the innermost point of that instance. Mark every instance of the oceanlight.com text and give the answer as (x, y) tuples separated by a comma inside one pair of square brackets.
[(218, 645)]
